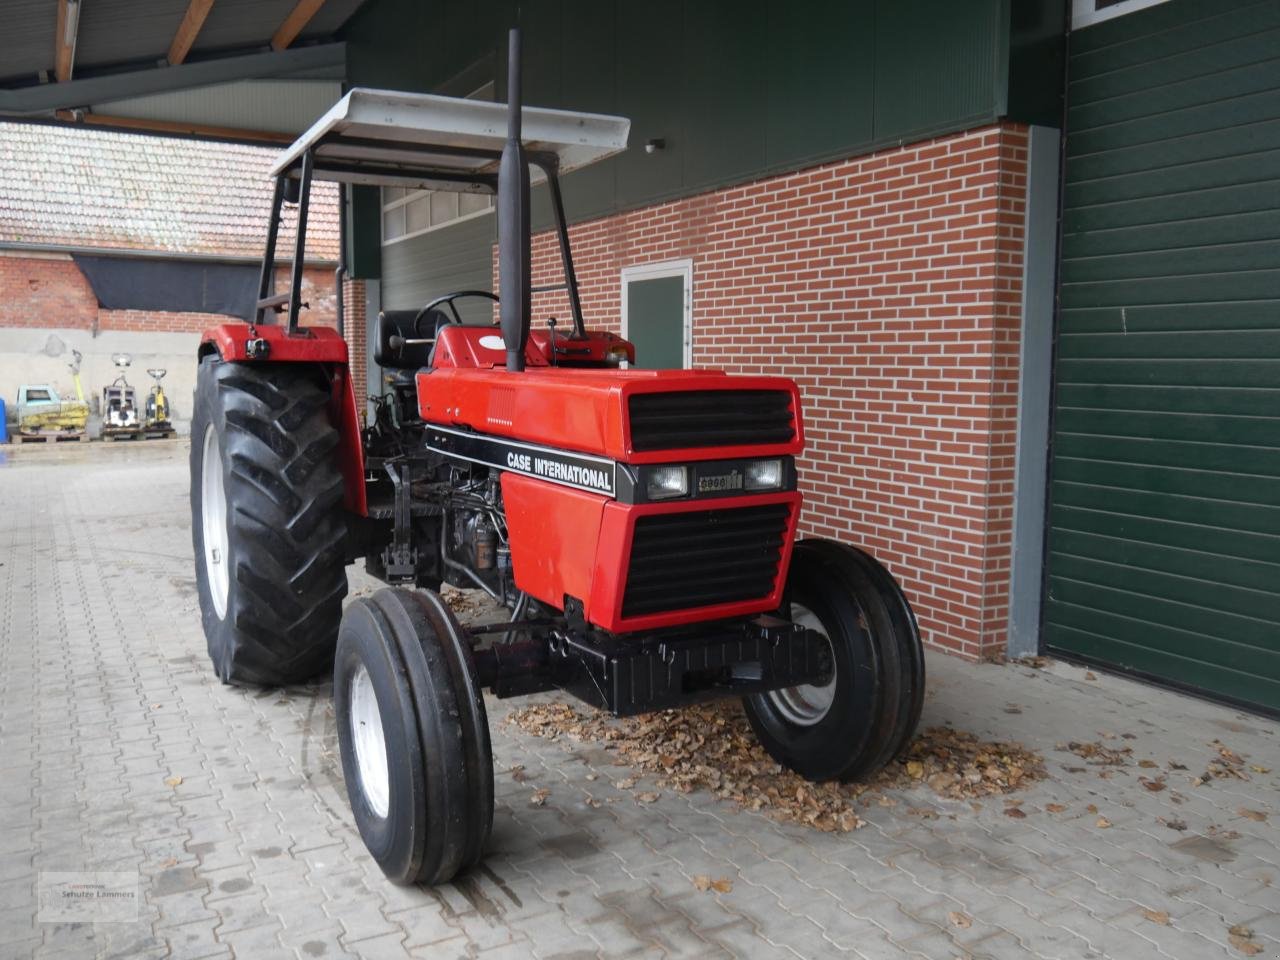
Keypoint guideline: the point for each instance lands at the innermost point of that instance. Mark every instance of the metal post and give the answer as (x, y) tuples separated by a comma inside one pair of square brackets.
[(566, 255), (300, 242), (340, 273), (267, 278), (513, 222)]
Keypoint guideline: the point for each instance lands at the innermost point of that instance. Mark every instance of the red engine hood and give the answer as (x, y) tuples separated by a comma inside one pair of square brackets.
[(582, 410)]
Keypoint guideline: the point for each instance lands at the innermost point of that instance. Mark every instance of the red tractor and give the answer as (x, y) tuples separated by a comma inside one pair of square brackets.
[(638, 524)]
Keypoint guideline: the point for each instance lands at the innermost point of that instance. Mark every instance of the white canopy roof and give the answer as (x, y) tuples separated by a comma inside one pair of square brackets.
[(386, 137)]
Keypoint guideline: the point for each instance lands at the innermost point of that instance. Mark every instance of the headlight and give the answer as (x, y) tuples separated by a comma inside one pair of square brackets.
[(764, 475), (616, 354), (662, 483)]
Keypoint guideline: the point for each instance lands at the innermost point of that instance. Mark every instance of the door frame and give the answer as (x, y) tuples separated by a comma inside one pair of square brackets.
[(656, 271)]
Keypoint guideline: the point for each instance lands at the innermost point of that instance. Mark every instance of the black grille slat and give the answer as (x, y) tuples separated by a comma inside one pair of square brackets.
[(686, 560), (710, 418)]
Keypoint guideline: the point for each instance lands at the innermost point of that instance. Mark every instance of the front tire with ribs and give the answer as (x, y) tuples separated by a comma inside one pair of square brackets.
[(864, 716), (267, 520)]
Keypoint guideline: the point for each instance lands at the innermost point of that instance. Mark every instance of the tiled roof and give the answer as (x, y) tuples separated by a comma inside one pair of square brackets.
[(73, 186)]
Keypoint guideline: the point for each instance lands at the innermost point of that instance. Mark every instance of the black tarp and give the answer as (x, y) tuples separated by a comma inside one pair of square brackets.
[(172, 286)]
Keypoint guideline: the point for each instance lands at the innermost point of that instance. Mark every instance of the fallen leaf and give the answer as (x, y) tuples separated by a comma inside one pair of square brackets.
[(711, 747), (646, 797), (1174, 765), (1247, 946), (1148, 764), (1155, 786), (1240, 930), (171, 862), (1054, 807), (1016, 812), (961, 920), (1157, 916), (702, 882), (723, 885), (1092, 808), (1255, 815), (1090, 675), (172, 781), (539, 797), (1257, 769), (1178, 825), (1102, 823), (518, 774), (592, 776)]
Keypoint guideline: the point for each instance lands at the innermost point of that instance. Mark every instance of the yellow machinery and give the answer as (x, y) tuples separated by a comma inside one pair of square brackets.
[(156, 422), (41, 411)]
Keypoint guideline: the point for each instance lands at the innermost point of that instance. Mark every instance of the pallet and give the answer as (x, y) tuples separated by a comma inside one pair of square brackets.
[(159, 433), (67, 436), (122, 435)]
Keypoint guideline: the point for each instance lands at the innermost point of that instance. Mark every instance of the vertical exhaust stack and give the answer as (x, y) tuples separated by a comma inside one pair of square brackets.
[(515, 295)]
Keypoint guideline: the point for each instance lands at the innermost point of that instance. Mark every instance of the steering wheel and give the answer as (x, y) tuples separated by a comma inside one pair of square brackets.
[(449, 299)]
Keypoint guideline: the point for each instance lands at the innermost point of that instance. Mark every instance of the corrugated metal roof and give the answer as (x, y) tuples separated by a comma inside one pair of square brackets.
[(70, 186)]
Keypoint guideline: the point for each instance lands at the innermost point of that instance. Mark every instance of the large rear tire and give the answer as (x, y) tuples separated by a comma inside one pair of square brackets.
[(267, 521), (413, 735), (850, 727)]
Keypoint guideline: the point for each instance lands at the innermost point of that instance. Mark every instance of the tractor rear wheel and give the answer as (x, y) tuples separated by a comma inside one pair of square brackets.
[(864, 716), (266, 521), (413, 735)]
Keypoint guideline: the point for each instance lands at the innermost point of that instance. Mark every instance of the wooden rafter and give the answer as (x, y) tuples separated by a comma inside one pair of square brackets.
[(295, 23), (188, 30), (172, 127), (64, 42)]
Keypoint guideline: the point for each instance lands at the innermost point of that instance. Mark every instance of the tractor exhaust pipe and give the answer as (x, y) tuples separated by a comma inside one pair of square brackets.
[(515, 295)]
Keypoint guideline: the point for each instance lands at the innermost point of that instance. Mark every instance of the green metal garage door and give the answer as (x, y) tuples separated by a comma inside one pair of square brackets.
[(1164, 539)]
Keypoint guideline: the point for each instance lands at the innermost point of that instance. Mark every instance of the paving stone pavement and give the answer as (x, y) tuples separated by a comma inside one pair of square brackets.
[(106, 699)]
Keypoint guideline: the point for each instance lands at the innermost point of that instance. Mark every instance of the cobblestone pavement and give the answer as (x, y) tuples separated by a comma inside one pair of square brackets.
[(106, 700)]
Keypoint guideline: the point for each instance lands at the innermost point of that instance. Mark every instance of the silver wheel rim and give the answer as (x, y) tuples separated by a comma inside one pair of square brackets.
[(370, 744), (213, 521), (808, 703)]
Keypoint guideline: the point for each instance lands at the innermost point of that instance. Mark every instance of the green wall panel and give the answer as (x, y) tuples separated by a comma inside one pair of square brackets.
[(441, 261), (736, 88), (726, 70), (650, 47), (1164, 545), (822, 81), (937, 62)]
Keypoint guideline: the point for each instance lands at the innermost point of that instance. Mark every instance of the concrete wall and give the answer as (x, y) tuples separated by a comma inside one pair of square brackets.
[(30, 355)]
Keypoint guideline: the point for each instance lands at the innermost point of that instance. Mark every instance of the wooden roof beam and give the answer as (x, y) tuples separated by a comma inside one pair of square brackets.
[(64, 41), (188, 30), (295, 23), (174, 128)]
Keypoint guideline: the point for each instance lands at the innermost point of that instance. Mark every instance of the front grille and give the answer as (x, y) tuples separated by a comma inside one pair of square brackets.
[(710, 418), (685, 560)]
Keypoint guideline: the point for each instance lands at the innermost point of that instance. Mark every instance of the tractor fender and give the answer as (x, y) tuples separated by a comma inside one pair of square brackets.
[(238, 343)]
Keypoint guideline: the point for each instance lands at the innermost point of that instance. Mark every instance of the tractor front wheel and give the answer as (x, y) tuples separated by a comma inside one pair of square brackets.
[(266, 521), (865, 714), (413, 735)]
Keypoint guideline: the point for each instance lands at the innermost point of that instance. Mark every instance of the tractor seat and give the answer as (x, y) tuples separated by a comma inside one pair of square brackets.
[(400, 323)]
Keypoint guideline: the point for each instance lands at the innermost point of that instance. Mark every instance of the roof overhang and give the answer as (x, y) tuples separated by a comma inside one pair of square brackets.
[(390, 138), (220, 69)]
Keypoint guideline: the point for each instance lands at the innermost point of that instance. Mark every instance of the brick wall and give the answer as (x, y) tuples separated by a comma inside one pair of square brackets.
[(353, 294), (889, 288), (48, 290)]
